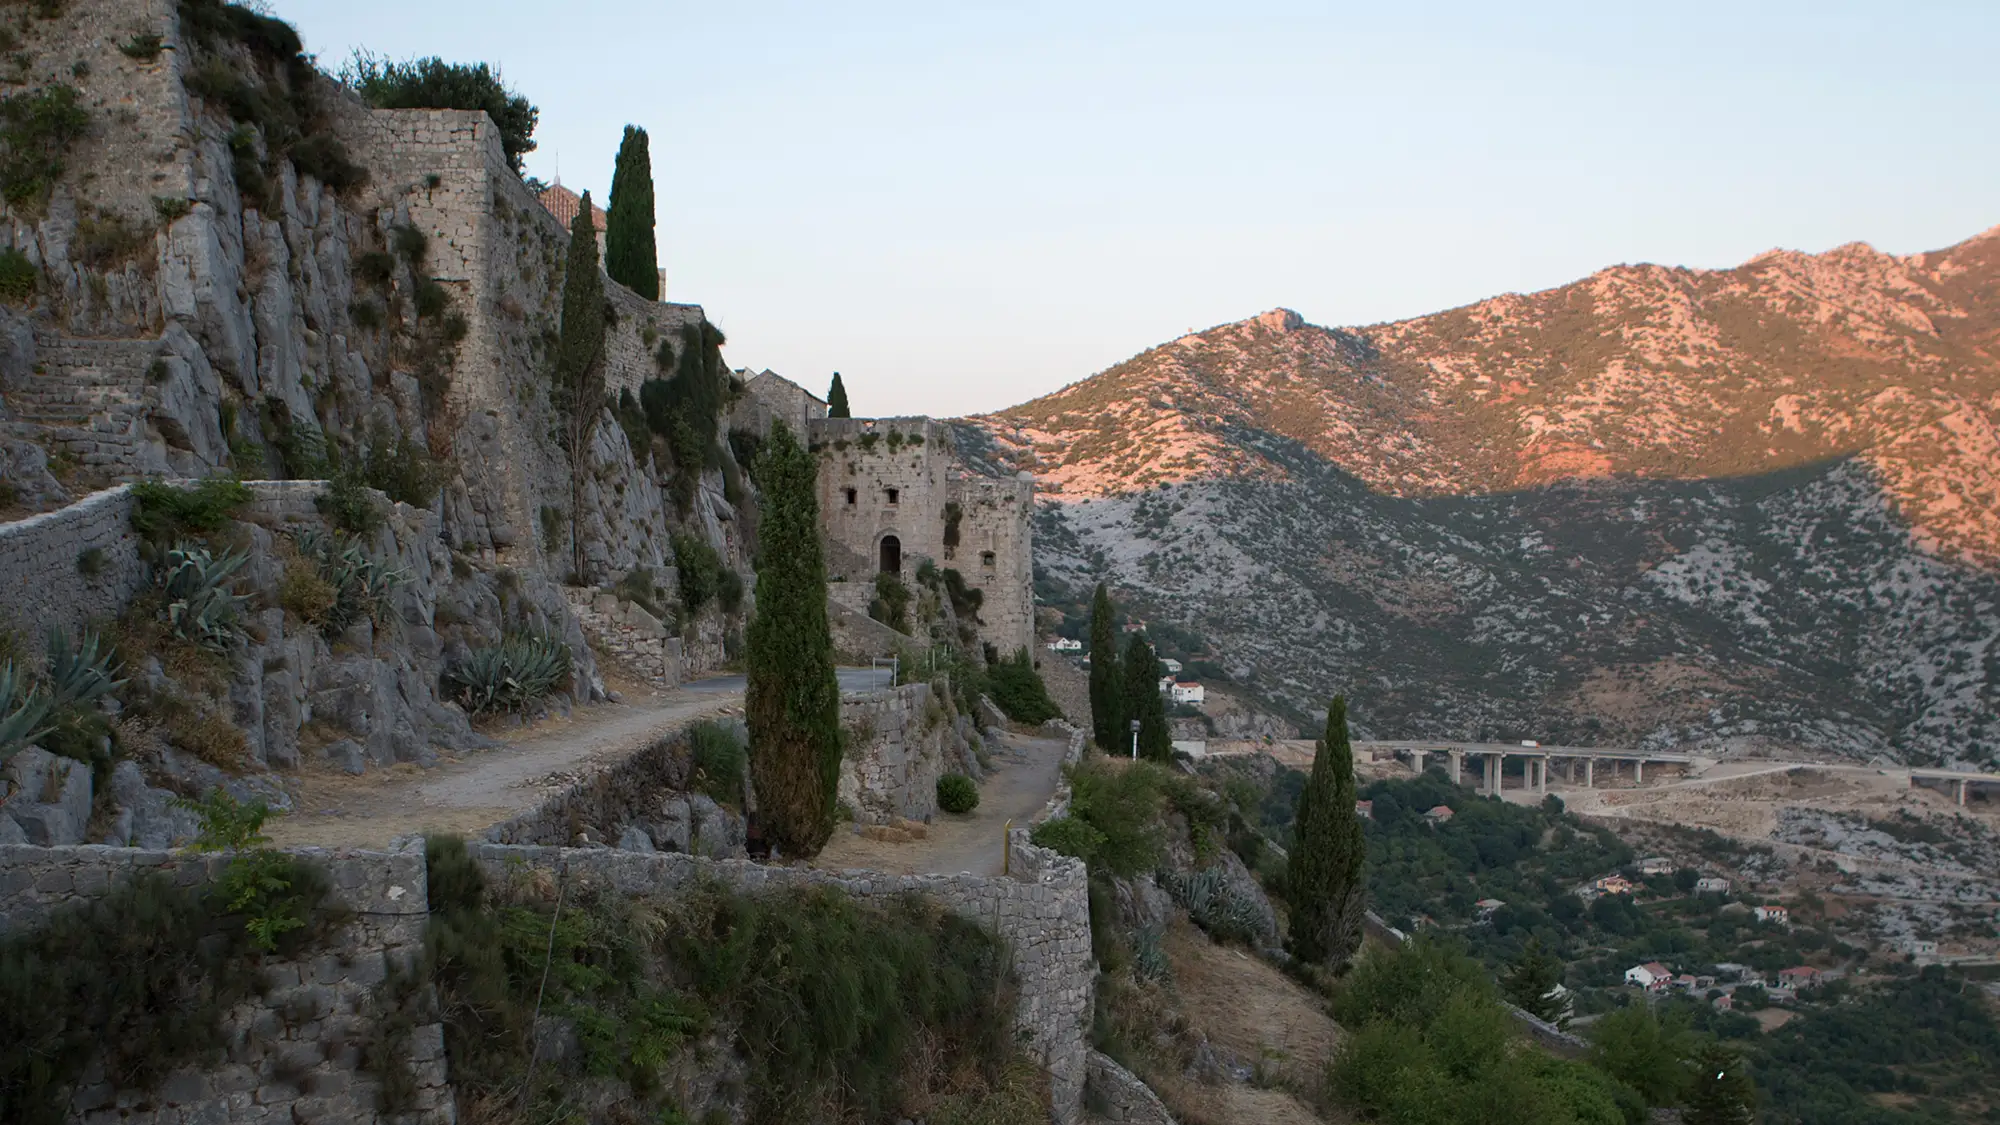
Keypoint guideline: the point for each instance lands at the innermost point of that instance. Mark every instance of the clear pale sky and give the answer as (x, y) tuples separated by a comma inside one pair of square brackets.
[(960, 206)]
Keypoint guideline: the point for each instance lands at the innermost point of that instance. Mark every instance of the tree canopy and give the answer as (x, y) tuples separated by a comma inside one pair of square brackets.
[(836, 399), (631, 255), (1325, 883)]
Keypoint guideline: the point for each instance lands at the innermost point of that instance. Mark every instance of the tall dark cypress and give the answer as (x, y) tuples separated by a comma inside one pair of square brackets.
[(1107, 718), (836, 399), (1324, 881), (1141, 700), (1722, 1092), (631, 256), (578, 392), (792, 704)]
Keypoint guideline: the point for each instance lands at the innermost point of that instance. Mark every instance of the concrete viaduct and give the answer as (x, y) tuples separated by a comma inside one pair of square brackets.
[(1492, 757)]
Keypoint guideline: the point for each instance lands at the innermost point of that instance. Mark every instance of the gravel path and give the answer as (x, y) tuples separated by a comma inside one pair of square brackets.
[(471, 793), (1025, 775)]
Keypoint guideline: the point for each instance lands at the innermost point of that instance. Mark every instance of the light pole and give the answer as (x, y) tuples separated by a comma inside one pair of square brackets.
[(1135, 740)]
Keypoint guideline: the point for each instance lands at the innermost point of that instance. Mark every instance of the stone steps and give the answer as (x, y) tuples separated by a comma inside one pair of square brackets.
[(87, 397)]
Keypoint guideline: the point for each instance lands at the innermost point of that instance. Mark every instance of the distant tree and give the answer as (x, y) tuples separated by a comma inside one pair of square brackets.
[(1107, 718), (436, 84), (836, 399), (631, 256), (1325, 884), (1637, 1048), (1531, 979), (578, 393), (792, 702), (1722, 1093), (1141, 699)]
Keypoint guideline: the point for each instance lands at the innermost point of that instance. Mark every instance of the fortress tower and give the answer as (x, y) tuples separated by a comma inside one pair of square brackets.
[(893, 493)]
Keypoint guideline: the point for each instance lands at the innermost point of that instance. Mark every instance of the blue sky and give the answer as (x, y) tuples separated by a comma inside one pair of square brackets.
[(962, 205)]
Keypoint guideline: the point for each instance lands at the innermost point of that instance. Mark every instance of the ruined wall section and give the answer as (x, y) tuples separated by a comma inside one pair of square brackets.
[(995, 553), (294, 1051), (1042, 909)]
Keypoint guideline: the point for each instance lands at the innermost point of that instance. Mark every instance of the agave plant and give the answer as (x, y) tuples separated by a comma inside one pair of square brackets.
[(22, 712), (361, 585), (202, 607), (81, 675), (1215, 906), (509, 676)]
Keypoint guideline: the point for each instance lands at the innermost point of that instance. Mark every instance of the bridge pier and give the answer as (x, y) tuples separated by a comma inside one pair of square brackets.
[(1639, 772), (1457, 762), (1542, 776), (1590, 773)]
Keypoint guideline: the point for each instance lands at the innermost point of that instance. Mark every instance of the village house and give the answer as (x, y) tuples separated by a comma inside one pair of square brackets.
[(1798, 976), (1172, 666), (1189, 693), (1711, 885), (1488, 905), (1651, 976), (1365, 810), (1730, 970), (1065, 644), (1614, 885), (1777, 914), (1656, 865), (1917, 947), (1724, 1003), (1439, 814)]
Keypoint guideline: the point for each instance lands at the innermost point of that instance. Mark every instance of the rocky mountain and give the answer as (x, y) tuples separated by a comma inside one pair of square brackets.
[(1750, 507)]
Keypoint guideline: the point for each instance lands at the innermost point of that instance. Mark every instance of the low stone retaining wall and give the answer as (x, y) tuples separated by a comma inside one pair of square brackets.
[(1116, 1094), (896, 753), (295, 1051)]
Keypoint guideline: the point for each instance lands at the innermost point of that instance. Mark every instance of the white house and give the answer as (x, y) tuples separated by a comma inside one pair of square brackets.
[(1711, 885), (1656, 865), (1649, 976), (1188, 693), (1777, 914), (1065, 644), (1917, 947), (1172, 666)]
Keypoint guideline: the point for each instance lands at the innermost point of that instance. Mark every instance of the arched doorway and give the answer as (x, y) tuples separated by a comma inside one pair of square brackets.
[(892, 555)]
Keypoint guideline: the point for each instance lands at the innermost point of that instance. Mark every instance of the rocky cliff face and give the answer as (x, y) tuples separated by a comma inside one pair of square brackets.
[(1746, 508)]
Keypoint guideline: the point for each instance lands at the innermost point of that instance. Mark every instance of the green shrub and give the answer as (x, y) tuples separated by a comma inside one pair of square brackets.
[(700, 570), (513, 675), (891, 604), (410, 242), (171, 207), (1069, 836), (403, 469), (431, 299), (202, 607), (375, 267), (965, 600), (956, 793), (22, 711), (1124, 805), (322, 156), (366, 314), (144, 47), (18, 276), (275, 894), (719, 760), (165, 512), (37, 129), (347, 503), (1017, 688)]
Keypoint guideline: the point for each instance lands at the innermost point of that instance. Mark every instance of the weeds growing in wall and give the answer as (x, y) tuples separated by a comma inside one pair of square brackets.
[(891, 603), (720, 760), (163, 512), (137, 983), (840, 1010), (18, 277), (37, 128), (704, 577)]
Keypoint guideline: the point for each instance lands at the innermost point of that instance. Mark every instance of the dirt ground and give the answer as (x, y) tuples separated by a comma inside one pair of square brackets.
[(470, 793), (1025, 775)]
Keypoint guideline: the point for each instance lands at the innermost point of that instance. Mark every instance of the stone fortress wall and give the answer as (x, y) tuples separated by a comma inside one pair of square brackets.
[(294, 1053)]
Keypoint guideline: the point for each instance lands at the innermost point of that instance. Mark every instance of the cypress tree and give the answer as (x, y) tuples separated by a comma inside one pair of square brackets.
[(792, 703), (1323, 880), (836, 399), (1722, 1092), (1141, 700), (1107, 720), (631, 256), (1531, 978), (578, 393)]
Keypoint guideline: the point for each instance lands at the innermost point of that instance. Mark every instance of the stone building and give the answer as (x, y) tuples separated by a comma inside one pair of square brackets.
[(893, 493)]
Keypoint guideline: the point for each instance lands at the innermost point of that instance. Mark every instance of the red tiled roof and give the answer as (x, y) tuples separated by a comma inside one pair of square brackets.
[(564, 203)]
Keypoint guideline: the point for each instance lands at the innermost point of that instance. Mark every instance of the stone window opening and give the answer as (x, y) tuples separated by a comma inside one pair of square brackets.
[(986, 559), (852, 496), (894, 494), (892, 555)]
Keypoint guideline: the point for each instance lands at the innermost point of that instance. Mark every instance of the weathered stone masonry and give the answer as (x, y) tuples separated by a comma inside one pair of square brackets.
[(294, 1055)]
